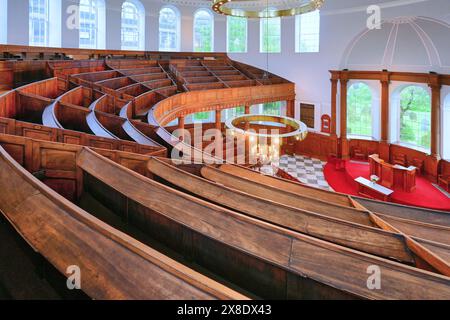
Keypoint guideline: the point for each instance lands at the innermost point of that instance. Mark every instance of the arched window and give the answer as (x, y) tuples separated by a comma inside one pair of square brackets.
[(270, 33), (307, 32), (415, 117), (44, 23), (133, 25), (3, 21), (446, 129), (92, 24), (236, 34), (359, 110), (39, 22), (169, 29), (203, 31)]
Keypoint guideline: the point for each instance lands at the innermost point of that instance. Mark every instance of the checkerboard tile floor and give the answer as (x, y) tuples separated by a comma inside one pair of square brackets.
[(307, 170)]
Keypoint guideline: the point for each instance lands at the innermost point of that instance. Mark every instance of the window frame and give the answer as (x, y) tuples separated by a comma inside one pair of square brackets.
[(398, 120), (371, 136), (177, 31), (212, 28), (262, 33), (140, 26), (446, 127), (228, 34), (99, 23), (39, 18), (299, 35)]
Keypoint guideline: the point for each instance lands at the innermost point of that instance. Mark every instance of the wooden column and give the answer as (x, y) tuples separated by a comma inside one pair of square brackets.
[(218, 138), (385, 106), (344, 152), (435, 86), (181, 122), (290, 108), (247, 109), (334, 84), (218, 120), (384, 145)]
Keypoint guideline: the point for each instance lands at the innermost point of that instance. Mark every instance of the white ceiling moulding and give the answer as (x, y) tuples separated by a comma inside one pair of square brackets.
[(403, 43), (330, 7)]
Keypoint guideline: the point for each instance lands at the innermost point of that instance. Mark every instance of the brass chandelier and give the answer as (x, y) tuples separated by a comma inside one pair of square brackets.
[(220, 6)]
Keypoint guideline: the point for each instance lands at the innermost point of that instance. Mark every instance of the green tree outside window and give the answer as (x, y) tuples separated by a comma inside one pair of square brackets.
[(237, 34), (359, 110), (415, 117), (270, 35), (203, 31)]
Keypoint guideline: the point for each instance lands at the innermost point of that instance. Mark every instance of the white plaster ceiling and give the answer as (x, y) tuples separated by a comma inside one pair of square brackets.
[(412, 43)]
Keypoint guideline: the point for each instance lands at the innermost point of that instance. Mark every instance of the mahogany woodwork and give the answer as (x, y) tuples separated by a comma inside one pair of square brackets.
[(197, 213), (47, 221), (392, 176), (317, 145), (277, 214), (388, 151)]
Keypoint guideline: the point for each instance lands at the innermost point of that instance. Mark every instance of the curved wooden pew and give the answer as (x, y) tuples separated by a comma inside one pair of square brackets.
[(49, 118), (74, 97), (341, 212), (296, 200), (68, 236), (72, 109), (390, 210), (361, 237), (94, 124), (286, 185), (426, 216), (229, 241), (132, 131)]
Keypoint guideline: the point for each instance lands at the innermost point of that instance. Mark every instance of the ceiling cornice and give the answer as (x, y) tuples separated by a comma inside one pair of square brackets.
[(324, 10)]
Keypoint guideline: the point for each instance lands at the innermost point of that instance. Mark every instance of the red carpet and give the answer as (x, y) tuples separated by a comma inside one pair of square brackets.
[(425, 195)]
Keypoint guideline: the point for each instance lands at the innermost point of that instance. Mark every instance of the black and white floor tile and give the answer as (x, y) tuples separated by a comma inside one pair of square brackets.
[(307, 170)]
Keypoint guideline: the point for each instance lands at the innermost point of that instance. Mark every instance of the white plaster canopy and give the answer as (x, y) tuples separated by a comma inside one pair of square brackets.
[(417, 44)]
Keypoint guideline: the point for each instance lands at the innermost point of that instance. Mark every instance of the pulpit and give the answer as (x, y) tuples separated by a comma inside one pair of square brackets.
[(393, 176)]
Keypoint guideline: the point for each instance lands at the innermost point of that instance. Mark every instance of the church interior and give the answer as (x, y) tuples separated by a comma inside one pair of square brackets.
[(224, 150)]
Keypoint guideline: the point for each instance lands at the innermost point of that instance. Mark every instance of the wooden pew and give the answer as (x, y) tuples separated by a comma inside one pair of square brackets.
[(288, 256), (104, 255), (351, 235)]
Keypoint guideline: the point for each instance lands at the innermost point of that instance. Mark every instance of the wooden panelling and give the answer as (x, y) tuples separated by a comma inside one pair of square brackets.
[(445, 168), (317, 145), (367, 147), (6, 75)]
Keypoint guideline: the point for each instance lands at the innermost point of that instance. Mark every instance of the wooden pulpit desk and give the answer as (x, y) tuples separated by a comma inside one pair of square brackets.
[(405, 177), (393, 176)]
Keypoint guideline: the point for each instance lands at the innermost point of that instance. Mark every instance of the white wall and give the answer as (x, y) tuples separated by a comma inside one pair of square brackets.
[(3, 21), (341, 21)]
